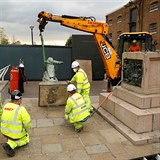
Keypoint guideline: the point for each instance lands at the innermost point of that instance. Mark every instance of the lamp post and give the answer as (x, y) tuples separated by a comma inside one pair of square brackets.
[(31, 27)]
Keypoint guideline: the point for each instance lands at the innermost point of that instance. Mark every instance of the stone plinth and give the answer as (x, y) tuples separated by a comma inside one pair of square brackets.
[(134, 107), (132, 117), (52, 93), (4, 87), (150, 83), (138, 100)]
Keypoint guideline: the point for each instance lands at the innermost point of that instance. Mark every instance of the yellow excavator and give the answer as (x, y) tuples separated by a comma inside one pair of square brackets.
[(110, 58)]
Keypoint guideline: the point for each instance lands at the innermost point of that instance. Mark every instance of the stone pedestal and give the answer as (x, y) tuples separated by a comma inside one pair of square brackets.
[(134, 107), (4, 87), (86, 65), (52, 93), (150, 79)]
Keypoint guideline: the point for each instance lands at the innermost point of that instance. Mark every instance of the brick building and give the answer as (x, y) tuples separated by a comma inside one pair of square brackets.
[(137, 15)]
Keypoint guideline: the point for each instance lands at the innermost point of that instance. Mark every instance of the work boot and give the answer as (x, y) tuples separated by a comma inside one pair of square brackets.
[(79, 129), (8, 149)]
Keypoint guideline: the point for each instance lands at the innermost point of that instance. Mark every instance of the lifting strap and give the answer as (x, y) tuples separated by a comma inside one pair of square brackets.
[(43, 49), (105, 99)]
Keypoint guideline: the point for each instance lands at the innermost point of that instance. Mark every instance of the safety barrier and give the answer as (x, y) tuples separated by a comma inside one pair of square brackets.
[(3, 72)]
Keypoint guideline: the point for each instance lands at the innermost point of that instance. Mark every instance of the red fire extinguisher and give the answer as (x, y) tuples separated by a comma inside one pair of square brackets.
[(14, 77)]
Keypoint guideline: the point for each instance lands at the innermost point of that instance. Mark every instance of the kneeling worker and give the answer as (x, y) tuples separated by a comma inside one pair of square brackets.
[(76, 111), (15, 123), (83, 85)]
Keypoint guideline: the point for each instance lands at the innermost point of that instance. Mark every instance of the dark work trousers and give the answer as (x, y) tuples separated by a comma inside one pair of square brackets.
[(21, 79)]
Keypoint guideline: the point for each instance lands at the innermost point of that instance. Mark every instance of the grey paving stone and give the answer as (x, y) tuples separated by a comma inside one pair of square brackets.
[(52, 148), (34, 123), (61, 142), (71, 144), (50, 139), (59, 121), (61, 156), (38, 114), (48, 131), (55, 114), (79, 155), (111, 135), (101, 148), (35, 146), (38, 157), (44, 123), (89, 139), (102, 156)]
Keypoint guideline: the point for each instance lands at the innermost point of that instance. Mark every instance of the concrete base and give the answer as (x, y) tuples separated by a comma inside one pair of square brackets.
[(140, 101), (135, 138), (150, 83), (135, 111), (52, 93), (4, 87), (131, 116)]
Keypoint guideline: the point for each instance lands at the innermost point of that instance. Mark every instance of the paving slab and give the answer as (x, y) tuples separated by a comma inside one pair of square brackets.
[(100, 148), (44, 123), (78, 154), (52, 148), (58, 140)]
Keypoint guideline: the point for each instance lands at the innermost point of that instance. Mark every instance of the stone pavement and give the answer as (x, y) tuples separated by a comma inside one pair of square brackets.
[(52, 138)]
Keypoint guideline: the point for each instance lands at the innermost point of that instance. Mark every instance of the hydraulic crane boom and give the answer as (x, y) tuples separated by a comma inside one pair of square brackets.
[(98, 29)]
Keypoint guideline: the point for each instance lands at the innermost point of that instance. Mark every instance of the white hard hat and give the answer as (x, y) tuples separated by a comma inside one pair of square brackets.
[(134, 41), (75, 64), (71, 87)]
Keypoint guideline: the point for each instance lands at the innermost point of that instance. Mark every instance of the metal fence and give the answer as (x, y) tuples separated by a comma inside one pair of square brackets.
[(33, 59)]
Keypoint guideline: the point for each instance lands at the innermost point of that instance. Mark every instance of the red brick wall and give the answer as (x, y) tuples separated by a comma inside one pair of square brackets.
[(144, 19)]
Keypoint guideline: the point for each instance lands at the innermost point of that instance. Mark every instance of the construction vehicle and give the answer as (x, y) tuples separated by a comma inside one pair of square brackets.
[(144, 40), (110, 58)]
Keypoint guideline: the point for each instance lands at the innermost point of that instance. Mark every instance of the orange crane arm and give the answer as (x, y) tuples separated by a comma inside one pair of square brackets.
[(98, 29)]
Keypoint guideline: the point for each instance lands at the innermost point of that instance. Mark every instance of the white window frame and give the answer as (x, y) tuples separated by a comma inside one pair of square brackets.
[(119, 20), (109, 24), (153, 32), (110, 38), (154, 3)]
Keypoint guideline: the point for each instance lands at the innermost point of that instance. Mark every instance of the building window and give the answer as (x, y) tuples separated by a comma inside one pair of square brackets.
[(110, 36), (153, 6), (119, 19), (133, 19), (153, 28), (110, 22), (118, 33)]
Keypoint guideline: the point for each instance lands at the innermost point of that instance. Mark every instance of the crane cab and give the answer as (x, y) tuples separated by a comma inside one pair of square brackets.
[(144, 40)]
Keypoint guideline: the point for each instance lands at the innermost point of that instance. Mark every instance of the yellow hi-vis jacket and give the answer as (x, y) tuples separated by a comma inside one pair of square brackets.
[(15, 121), (76, 109), (82, 80)]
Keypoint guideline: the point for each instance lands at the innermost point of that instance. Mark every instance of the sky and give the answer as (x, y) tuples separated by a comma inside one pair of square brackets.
[(16, 17)]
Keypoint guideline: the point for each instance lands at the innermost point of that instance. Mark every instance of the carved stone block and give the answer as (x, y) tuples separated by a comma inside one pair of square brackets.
[(149, 81), (52, 93)]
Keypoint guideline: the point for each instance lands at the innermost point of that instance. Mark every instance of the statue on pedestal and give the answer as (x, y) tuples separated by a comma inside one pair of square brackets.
[(49, 74)]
